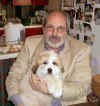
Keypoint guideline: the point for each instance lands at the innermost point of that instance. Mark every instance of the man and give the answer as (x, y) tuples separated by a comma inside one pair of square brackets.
[(75, 56)]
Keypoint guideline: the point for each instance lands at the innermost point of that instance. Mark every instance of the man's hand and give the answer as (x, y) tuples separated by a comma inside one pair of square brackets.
[(38, 84)]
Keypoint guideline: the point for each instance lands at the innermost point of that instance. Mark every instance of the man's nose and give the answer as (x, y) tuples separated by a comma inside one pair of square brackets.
[(54, 31)]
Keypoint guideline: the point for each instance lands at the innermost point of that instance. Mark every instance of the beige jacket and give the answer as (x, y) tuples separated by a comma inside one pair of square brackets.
[(76, 60)]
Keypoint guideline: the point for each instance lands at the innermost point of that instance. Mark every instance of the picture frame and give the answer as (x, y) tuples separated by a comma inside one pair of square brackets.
[(68, 3)]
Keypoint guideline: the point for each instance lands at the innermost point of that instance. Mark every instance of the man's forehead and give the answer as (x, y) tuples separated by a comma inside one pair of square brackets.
[(55, 25), (57, 13)]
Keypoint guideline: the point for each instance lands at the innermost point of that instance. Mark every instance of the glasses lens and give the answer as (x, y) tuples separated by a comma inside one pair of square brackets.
[(49, 28), (60, 29)]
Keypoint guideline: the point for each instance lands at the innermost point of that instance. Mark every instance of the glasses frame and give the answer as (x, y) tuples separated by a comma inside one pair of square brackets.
[(51, 28)]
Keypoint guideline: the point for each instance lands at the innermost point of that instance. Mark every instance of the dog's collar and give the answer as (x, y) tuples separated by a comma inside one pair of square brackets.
[(58, 50)]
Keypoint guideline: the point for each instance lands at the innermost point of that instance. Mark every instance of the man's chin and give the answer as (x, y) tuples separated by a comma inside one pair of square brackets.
[(55, 45), (54, 41)]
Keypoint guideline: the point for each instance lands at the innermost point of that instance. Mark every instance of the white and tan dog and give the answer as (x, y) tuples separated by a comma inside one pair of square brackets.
[(48, 66)]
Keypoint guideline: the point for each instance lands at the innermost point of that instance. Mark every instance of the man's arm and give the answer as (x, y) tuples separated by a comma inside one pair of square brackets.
[(19, 69), (17, 72), (78, 84)]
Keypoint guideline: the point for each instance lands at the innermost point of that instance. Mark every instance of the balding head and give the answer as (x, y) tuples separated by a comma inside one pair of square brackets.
[(54, 15)]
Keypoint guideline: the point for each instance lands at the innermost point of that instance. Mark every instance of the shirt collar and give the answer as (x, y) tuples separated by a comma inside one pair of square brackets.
[(46, 46)]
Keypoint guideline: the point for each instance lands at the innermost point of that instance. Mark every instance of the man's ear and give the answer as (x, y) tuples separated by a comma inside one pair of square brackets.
[(34, 68), (44, 30)]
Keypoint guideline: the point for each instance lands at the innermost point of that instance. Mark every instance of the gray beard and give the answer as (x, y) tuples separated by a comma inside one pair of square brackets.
[(55, 45)]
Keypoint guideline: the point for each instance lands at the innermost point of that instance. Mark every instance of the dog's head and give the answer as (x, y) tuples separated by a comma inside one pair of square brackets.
[(48, 63)]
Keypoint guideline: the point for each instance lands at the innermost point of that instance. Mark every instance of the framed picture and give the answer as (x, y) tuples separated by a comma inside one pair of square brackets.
[(22, 2), (80, 1), (97, 16), (68, 3), (88, 18)]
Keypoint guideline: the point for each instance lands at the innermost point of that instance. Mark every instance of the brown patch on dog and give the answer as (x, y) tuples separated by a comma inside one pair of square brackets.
[(34, 68)]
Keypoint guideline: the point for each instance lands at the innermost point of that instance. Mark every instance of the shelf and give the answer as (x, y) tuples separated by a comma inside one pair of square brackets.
[(88, 13)]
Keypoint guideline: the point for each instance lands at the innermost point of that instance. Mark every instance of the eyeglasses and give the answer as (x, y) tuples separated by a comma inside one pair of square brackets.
[(50, 28)]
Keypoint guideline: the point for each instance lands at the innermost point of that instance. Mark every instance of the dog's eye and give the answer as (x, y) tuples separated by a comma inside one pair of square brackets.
[(45, 62), (54, 63)]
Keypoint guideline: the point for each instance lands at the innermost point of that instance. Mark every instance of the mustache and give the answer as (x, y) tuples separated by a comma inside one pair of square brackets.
[(55, 37)]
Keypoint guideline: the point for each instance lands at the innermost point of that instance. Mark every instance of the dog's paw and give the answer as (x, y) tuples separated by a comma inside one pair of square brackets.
[(51, 89), (54, 87), (58, 93)]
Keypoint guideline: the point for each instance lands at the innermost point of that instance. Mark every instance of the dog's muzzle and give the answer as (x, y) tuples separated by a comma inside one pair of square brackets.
[(49, 70)]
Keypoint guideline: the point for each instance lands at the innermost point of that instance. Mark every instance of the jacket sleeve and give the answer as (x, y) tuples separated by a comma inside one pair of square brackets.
[(77, 85), (17, 71)]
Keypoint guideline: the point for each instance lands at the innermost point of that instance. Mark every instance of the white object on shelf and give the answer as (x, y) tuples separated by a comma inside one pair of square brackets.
[(13, 33)]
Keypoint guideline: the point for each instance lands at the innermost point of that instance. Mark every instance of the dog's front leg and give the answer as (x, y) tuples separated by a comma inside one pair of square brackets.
[(58, 90)]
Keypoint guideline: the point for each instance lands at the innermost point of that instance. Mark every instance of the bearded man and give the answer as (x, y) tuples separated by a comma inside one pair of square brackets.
[(76, 60)]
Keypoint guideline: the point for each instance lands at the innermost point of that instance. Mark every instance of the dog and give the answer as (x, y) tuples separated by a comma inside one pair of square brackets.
[(48, 66)]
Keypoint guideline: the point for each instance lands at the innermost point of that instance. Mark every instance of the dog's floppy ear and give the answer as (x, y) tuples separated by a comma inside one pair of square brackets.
[(62, 69), (34, 68)]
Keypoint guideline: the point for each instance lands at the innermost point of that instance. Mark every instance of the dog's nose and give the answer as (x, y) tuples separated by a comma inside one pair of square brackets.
[(49, 70)]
